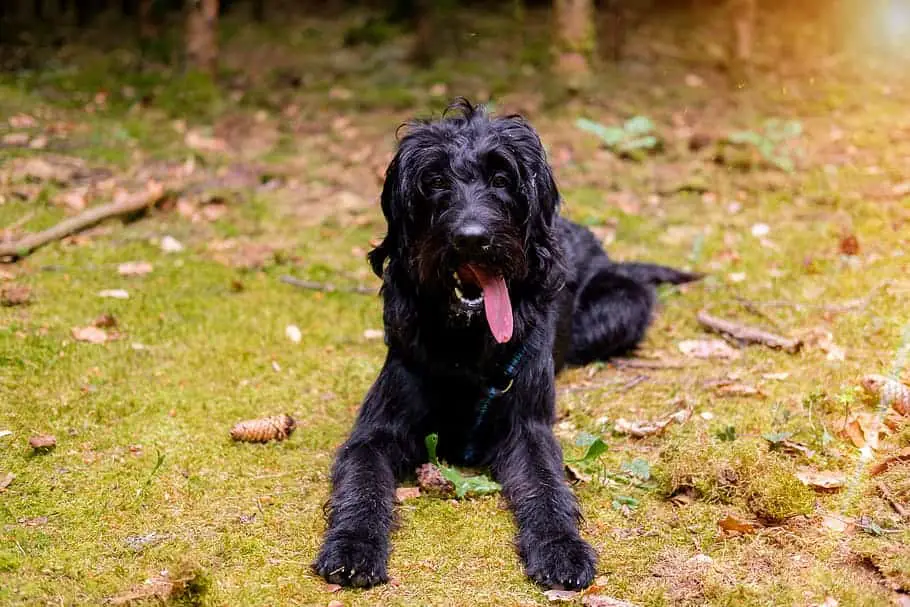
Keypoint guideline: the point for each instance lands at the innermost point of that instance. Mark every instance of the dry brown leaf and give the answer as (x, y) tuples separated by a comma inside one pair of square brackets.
[(134, 268), (708, 348), (599, 600), (160, 588), (739, 390), (560, 596), (863, 429), (35, 521), (837, 524), (373, 334), (821, 480), (5, 481), (732, 523), (901, 456), (203, 143), (15, 139), (849, 245), (407, 493), (335, 604), (790, 446), (891, 391), (42, 442), (277, 427), (640, 429), (824, 341), (776, 376), (92, 335), (15, 295), (74, 200), (22, 121), (332, 588)]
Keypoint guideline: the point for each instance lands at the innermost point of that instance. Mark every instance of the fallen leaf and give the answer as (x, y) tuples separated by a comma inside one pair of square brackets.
[(169, 244), (738, 390), (824, 341), (5, 433), (892, 392), (640, 429), (761, 229), (35, 521), (407, 493), (849, 245), (134, 268), (15, 295), (105, 321), (737, 277), (560, 596), (6, 480), (22, 121), (821, 480), (74, 200), (332, 588), (732, 523), (196, 140), (599, 600), (15, 139), (293, 333), (862, 429), (162, 589), (335, 604), (776, 376), (836, 523), (373, 334), (92, 335), (114, 293), (829, 601), (694, 81), (42, 442), (901, 456), (708, 348)]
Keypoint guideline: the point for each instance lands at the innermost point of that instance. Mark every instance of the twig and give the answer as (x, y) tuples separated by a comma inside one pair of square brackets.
[(748, 335), (633, 382), (889, 497), (641, 363), (327, 287), (754, 309), (11, 251)]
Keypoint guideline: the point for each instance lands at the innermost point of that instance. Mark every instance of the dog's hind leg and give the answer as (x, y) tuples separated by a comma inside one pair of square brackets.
[(610, 316)]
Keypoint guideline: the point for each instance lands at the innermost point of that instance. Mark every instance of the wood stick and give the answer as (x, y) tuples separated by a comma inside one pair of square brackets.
[(643, 363), (11, 251), (748, 335), (889, 497), (327, 287)]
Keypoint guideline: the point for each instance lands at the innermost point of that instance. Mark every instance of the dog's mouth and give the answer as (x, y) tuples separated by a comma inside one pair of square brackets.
[(475, 288)]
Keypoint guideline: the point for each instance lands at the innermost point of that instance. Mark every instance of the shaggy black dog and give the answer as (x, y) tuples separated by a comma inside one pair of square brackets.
[(487, 293)]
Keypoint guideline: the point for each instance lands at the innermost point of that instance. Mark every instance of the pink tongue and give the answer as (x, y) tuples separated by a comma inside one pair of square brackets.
[(496, 304)]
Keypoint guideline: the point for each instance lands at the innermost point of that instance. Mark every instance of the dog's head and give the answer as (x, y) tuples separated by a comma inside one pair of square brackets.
[(470, 203)]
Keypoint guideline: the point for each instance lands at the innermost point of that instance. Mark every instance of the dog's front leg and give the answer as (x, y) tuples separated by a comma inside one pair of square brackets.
[(355, 549), (530, 469)]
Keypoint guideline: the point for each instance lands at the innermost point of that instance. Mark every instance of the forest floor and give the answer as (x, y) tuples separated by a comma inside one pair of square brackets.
[(278, 172)]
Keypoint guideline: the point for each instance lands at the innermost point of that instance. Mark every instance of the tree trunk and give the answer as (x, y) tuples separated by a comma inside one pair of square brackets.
[(202, 35), (146, 25), (743, 13), (574, 41), (424, 41), (612, 34)]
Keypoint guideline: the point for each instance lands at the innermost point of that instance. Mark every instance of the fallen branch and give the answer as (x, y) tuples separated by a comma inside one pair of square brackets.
[(744, 334), (327, 287), (132, 203), (889, 497), (642, 363)]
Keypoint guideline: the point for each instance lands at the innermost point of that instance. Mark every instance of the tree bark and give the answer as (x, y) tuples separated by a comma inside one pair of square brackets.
[(202, 35), (574, 41), (743, 12)]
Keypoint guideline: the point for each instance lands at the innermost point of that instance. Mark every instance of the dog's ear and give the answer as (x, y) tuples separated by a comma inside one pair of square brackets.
[(390, 203), (538, 184)]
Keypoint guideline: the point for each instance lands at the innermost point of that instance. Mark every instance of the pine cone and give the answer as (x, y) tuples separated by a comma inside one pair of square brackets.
[(431, 481), (277, 427)]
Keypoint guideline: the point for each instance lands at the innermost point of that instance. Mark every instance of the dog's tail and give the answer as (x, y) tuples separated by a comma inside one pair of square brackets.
[(653, 274)]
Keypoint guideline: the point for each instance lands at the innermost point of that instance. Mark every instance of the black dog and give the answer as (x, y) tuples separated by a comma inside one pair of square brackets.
[(487, 293)]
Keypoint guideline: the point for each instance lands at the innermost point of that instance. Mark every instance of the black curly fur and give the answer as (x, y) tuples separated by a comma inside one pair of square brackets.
[(571, 304)]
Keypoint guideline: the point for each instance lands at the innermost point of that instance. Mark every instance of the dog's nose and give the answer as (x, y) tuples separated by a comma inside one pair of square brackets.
[(471, 237)]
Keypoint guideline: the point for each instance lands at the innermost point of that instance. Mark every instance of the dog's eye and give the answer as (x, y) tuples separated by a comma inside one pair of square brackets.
[(500, 180), (436, 182)]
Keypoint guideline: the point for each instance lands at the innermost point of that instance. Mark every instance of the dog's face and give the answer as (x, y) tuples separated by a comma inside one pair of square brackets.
[(470, 202)]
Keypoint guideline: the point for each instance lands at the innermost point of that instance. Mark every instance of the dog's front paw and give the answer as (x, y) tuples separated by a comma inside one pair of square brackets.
[(352, 561), (566, 563)]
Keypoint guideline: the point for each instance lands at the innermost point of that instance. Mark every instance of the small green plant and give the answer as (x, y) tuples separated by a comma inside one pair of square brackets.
[(635, 138), (637, 468), (726, 434), (774, 142), (480, 484), (624, 503)]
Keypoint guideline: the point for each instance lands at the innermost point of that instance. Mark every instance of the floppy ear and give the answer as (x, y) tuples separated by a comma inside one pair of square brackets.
[(391, 202)]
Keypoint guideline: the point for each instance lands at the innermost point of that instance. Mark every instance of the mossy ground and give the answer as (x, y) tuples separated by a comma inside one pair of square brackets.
[(203, 342)]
